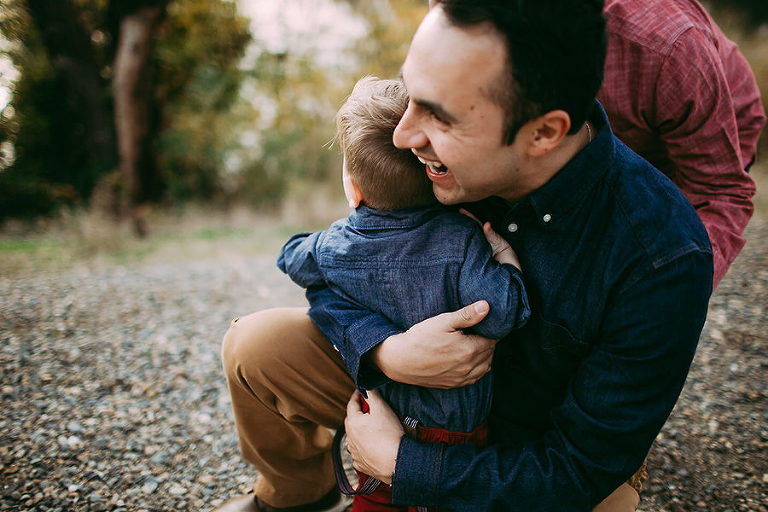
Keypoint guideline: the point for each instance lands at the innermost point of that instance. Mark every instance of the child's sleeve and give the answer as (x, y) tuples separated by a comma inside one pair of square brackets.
[(298, 259), (501, 285)]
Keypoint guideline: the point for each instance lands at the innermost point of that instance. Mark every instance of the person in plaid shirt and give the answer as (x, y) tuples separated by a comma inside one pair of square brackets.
[(682, 95)]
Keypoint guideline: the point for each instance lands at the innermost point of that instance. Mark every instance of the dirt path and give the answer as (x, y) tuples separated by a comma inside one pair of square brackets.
[(113, 397)]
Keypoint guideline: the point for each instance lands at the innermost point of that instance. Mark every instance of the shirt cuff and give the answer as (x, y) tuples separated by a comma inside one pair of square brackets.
[(417, 472), (359, 339)]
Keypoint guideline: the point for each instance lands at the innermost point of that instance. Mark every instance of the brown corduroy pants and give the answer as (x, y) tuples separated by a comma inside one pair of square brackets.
[(289, 388)]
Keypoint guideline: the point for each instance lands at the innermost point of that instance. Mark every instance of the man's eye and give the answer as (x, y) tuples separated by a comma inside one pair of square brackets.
[(436, 117)]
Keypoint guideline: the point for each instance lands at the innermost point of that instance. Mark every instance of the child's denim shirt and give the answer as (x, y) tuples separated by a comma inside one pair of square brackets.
[(410, 265)]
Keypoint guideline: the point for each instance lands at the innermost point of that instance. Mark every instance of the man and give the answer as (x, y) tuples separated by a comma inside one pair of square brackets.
[(680, 94), (620, 270)]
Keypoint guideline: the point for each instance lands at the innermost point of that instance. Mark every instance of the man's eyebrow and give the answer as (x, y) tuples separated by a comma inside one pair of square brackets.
[(436, 109)]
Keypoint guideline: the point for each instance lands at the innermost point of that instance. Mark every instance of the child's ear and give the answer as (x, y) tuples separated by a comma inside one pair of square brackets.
[(351, 190), (356, 197)]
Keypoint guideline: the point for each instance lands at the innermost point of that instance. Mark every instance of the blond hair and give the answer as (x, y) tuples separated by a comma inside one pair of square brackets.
[(389, 178)]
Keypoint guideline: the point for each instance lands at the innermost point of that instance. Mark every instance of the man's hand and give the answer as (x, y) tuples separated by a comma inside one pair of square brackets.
[(436, 353), (373, 438)]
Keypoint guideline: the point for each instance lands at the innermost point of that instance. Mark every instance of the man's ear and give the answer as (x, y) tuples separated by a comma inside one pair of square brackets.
[(548, 131)]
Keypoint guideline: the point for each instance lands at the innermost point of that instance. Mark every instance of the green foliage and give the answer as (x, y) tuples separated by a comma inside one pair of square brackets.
[(222, 130), (392, 24), (211, 140), (294, 143), (50, 165), (196, 62), (197, 79)]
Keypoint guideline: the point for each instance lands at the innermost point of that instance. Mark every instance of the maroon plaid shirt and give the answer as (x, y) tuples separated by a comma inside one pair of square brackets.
[(680, 94)]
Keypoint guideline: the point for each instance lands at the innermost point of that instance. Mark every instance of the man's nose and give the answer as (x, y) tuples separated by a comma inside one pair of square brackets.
[(408, 133)]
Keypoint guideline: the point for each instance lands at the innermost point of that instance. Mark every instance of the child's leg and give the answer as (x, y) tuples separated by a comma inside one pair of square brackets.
[(378, 501)]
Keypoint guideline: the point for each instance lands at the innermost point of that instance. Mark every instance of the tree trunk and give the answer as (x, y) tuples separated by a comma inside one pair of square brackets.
[(69, 48), (132, 86)]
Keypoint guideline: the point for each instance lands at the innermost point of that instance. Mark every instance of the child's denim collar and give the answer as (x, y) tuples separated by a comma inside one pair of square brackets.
[(365, 217)]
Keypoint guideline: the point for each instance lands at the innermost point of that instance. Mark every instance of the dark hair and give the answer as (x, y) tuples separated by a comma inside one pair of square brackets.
[(389, 178), (556, 54)]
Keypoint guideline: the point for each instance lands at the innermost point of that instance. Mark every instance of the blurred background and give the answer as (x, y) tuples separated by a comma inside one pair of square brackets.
[(154, 157), (124, 111), (121, 110)]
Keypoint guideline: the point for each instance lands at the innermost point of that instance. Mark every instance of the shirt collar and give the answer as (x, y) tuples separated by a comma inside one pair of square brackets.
[(570, 186), (365, 217)]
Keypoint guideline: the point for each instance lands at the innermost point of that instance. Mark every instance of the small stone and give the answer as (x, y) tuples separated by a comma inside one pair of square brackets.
[(159, 458), (177, 490), (74, 427), (150, 485)]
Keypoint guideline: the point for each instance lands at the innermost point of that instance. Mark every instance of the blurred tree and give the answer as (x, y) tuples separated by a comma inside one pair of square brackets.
[(60, 122), (392, 25), (162, 72), (197, 60), (74, 63), (295, 96), (133, 83)]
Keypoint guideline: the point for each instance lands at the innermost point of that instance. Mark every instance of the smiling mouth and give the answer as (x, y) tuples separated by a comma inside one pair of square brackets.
[(433, 168)]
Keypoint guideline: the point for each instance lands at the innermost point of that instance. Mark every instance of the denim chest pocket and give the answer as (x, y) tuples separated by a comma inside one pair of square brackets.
[(534, 367), (553, 353)]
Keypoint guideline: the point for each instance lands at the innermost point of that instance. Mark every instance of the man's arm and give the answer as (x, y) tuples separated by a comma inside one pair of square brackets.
[(616, 403), (696, 118), (435, 352)]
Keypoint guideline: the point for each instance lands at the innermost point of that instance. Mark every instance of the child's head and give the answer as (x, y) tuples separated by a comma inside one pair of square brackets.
[(386, 177)]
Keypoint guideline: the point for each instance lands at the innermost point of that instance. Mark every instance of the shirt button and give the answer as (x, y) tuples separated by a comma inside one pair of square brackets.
[(547, 217), (512, 228)]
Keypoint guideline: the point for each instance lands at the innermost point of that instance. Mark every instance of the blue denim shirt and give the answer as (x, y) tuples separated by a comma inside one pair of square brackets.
[(618, 270), (410, 265)]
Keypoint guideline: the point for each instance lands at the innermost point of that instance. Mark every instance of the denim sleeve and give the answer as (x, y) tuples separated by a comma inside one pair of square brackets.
[(298, 259), (482, 277), (352, 330), (615, 404)]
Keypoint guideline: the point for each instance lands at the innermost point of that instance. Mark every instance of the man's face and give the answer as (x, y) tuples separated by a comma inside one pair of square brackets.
[(451, 123)]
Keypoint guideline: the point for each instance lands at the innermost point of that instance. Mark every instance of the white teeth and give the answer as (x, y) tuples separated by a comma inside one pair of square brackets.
[(434, 167), (437, 168)]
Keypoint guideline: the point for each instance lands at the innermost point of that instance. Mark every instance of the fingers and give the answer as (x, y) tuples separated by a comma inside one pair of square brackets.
[(468, 315), (479, 357), (353, 406), (488, 230), (502, 251), (374, 399), (497, 243), (470, 215), (481, 364)]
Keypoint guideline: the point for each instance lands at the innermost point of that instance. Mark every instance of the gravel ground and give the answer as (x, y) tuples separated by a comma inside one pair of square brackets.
[(113, 397)]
